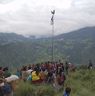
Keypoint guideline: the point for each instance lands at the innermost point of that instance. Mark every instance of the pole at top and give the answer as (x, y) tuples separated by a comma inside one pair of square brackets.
[(52, 23)]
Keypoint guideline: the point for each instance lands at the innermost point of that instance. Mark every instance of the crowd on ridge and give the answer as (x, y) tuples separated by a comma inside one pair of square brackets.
[(49, 72), (45, 72)]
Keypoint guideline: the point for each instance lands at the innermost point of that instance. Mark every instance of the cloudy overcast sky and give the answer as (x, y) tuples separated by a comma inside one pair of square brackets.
[(33, 16)]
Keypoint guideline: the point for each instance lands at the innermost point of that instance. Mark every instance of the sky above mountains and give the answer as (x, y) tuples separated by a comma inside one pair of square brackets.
[(32, 17)]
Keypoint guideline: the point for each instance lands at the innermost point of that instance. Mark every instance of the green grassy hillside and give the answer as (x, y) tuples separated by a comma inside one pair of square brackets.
[(82, 83)]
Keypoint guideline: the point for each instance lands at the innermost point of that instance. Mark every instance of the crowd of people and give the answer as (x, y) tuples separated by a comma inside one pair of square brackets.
[(5, 87), (49, 72), (53, 73)]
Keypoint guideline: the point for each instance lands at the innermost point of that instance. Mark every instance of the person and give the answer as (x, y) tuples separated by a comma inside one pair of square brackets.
[(1, 85), (67, 91), (42, 75), (66, 67), (18, 73), (29, 67), (29, 78), (50, 77), (24, 73), (35, 77), (7, 89), (61, 79), (6, 72), (55, 82), (90, 66), (1, 72)]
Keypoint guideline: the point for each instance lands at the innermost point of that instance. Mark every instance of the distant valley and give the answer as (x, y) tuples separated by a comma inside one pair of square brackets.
[(77, 47)]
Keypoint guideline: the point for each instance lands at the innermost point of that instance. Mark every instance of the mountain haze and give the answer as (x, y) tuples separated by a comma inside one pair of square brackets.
[(6, 38)]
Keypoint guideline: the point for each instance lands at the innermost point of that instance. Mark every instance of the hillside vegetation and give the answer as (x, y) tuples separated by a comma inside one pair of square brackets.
[(77, 46), (82, 83)]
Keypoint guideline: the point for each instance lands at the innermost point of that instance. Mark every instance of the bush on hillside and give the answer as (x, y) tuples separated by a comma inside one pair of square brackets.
[(26, 89)]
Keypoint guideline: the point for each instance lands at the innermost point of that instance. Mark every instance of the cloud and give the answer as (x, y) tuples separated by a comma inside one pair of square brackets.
[(33, 16), (5, 1)]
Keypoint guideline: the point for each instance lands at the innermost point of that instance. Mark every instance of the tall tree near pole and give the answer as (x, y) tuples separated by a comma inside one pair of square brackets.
[(52, 23)]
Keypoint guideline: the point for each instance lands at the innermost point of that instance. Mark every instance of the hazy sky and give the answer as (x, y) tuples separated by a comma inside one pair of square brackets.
[(33, 16)]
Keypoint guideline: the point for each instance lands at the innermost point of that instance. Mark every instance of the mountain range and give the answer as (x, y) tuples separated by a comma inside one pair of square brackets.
[(77, 47)]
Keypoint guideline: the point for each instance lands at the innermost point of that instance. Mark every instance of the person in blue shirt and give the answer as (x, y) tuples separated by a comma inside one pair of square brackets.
[(18, 73), (67, 91)]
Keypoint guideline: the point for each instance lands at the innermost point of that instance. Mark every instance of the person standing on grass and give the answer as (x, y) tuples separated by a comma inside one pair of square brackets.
[(1, 73), (66, 67), (90, 66), (67, 91), (6, 71), (1, 85), (5, 88)]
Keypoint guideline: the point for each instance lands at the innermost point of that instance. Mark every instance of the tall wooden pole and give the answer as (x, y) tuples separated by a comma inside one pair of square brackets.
[(52, 23)]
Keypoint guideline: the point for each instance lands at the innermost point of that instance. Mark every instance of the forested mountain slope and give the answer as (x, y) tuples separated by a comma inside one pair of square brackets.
[(77, 46)]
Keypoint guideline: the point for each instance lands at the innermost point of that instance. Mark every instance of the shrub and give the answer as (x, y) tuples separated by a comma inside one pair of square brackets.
[(26, 89)]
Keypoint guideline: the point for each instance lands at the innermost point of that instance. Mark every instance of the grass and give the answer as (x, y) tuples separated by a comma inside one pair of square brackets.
[(81, 82), (26, 89)]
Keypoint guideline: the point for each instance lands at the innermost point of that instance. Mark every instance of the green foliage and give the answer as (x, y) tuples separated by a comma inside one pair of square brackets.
[(26, 89), (82, 83), (76, 47)]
